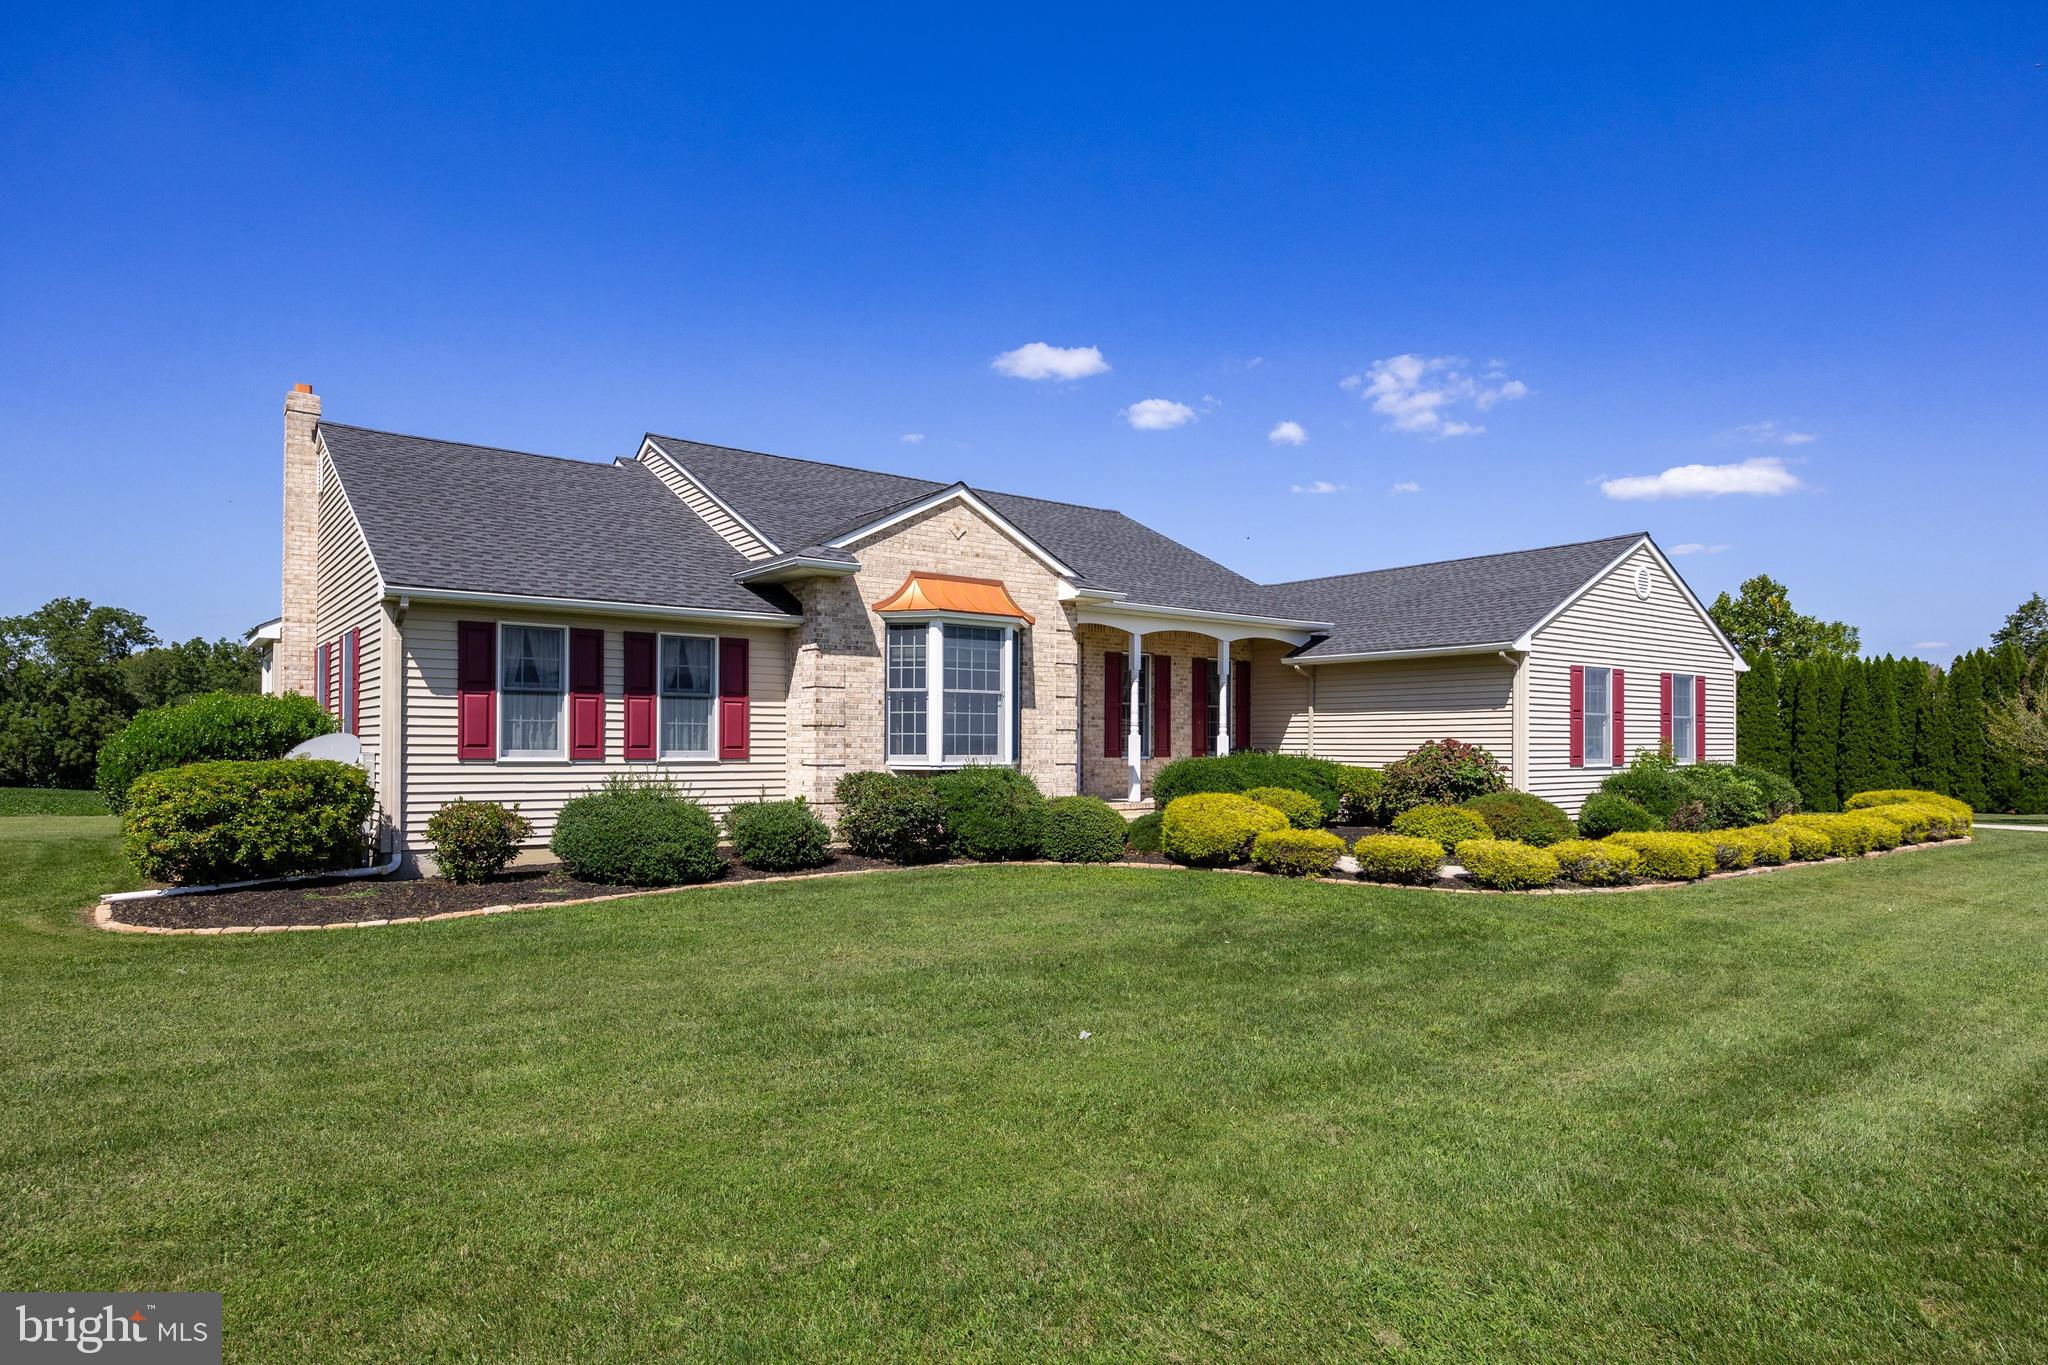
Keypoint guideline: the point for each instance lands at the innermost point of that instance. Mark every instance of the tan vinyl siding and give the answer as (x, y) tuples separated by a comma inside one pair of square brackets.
[(346, 597), (1373, 713), (1610, 627), (1279, 700), (434, 776), (704, 505)]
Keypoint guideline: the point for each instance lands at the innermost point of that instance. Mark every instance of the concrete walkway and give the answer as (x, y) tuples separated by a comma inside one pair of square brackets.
[(2025, 829)]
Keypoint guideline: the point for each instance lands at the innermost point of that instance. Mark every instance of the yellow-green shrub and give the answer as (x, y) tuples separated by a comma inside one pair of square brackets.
[(1297, 852), (1214, 828), (1885, 832), (1893, 796), (1397, 858), (1915, 821), (1808, 843), (1507, 864), (1302, 810), (1670, 855), (1448, 825), (1850, 834), (1595, 862), (1750, 846), (1772, 846)]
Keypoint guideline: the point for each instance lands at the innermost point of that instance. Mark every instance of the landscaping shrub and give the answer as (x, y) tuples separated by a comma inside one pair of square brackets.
[(1605, 813), (1732, 853), (1082, 829), (473, 840), (1317, 777), (1906, 795), (1765, 845), (1507, 864), (1731, 799), (992, 814), (1595, 862), (1359, 793), (637, 834), (1521, 816), (1213, 828), (218, 725), (1885, 832), (1398, 858), (236, 820), (1442, 772), (1780, 796), (1142, 834), (1848, 835), (778, 836), (882, 815), (1448, 825), (1297, 852), (1694, 795), (1669, 855), (1916, 823), (1808, 844), (1302, 811)]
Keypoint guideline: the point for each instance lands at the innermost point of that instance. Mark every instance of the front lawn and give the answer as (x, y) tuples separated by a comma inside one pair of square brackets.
[(50, 801), (1801, 1116)]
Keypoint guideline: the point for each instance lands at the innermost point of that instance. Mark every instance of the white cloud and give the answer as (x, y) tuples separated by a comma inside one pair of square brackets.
[(1255, 362), (1693, 547), (1288, 434), (1416, 393), (1930, 644), (1158, 414), (1317, 486), (1769, 434), (1406, 486), (911, 438), (1036, 360), (1765, 476)]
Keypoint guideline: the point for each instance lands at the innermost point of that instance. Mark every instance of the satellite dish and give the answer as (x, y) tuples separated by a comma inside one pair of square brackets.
[(339, 748)]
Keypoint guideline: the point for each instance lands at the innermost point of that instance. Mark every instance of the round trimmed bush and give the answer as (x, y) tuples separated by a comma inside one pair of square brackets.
[(1765, 845), (209, 728), (1317, 777), (1142, 834), (1297, 852), (1848, 835), (778, 836), (882, 815), (1359, 793), (1082, 829), (992, 813), (1302, 811), (1507, 864), (1732, 852), (1885, 832), (1398, 858), (1214, 828), (473, 840), (1667, 854), (1595, 862), (1442, 772), (1448, 825), (1521, 816), (1807, 844), (234, 821), (1780, 796), (1959, 811), (629, 834), (1605, 813)]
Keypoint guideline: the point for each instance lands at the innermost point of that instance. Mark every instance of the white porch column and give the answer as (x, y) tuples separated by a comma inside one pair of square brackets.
[(1135, 739), (1223, 696)]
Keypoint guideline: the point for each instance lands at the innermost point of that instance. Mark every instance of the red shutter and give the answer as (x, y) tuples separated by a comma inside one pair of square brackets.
[(1198, 703), (476, 689), (1664, 709), (1618, 753), (586, 694), (1241, 704), (1162, 707), (733, 709), (1699, 719), (1578, 716), (640, 707), (1112, 705)]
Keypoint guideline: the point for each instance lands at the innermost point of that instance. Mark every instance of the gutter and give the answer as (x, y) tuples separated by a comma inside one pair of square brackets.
[(504, 599), (1428, 652)]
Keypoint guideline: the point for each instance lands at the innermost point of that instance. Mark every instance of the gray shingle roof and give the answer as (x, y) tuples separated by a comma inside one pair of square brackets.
[(466, 518), (1483, 600)]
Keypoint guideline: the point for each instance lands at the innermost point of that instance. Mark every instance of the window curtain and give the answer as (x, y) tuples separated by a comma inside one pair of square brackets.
[(532, 683), (687, 667)]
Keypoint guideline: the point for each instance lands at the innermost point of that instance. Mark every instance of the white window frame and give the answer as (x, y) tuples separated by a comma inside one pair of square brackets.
[(934, 755), (665, 755), (1687, 685), (560, 754), (1586, 715)]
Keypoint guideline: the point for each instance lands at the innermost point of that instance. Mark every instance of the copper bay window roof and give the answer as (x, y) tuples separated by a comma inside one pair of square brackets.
[(943, 592)]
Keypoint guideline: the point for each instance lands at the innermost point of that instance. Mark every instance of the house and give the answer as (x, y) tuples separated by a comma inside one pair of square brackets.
[(517, 627)]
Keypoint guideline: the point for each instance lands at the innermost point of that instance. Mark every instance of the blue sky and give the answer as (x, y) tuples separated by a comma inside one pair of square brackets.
[(1808, 245)]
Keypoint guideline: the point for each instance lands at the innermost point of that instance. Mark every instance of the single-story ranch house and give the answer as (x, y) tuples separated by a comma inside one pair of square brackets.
[(515, 627)]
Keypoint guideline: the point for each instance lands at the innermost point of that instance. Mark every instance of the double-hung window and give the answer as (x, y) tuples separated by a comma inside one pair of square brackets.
[(950, 692), (532, 695), (1685, 730), (1123, 704), (689, 682), (1599, 717)]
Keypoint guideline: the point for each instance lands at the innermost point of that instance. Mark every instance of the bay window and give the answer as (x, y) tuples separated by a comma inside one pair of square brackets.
[(959, 711), (689, 681), (530, 690)]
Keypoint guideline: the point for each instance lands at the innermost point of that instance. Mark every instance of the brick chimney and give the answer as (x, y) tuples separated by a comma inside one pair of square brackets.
[(295, 647)]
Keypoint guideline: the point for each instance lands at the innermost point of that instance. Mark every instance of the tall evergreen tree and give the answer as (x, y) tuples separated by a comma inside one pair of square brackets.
[(2005, 669), (1966, 726), (1861, 762), (1894, 720), (1759, 730), (1934, 755), (1813, 736)]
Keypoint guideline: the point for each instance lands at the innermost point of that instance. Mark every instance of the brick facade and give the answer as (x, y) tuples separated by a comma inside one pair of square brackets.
[(1110, 777)]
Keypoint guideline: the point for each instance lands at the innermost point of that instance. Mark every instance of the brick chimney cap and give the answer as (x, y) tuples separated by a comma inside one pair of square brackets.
[(302, 388)]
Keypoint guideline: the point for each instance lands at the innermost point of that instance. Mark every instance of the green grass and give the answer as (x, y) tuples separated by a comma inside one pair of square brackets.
[(49, 801), (1796, 1117)]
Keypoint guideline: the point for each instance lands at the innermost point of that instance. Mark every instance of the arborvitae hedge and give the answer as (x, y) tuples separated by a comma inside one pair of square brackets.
[(1759, 733)]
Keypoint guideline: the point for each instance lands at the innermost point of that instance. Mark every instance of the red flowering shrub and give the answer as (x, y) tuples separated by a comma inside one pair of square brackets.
[(1443, 772)]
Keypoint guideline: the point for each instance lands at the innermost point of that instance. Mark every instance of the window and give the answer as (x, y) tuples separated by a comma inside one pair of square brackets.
[(1123, 703), (1599, 718), (960, 710), (530, 689), (689, 681), (1684, 731), (1214, 695)]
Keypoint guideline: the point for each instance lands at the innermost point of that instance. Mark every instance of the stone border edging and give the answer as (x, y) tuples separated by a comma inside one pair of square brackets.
[(103, 913)]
